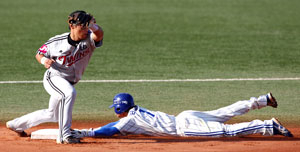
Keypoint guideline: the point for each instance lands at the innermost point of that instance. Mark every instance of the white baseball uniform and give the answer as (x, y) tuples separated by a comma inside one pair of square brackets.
[(194, 123), (71, 59)]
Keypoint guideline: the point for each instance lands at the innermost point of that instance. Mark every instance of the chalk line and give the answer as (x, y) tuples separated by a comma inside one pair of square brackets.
[(165, 80)]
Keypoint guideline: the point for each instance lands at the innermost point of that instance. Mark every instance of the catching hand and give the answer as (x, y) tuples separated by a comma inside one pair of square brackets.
[(48, 63)]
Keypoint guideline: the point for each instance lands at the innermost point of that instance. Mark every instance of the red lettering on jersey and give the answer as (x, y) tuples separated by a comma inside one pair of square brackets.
[(43, 49), (62, 58), (70, 60)]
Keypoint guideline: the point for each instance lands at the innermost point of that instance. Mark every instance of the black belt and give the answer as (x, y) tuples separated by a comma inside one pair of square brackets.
[(72, 82)]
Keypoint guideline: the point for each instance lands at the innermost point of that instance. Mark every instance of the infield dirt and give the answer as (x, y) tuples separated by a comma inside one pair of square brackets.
[(9, 141)]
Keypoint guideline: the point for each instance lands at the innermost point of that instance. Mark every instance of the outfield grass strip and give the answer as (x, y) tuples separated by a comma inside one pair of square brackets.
[(166, 80)]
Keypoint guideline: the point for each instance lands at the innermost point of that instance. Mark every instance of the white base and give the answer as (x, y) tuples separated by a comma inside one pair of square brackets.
[(45, 134)]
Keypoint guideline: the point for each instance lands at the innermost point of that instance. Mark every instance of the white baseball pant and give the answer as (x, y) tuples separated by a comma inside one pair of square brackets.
[(211, 123), (62, 97)]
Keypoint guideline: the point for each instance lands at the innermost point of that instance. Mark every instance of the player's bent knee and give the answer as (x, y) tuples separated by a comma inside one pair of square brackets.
[(51, 116), (71, 94)]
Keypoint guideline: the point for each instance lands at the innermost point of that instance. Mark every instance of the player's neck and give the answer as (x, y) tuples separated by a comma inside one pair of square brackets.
[(72, 41), (122, 115), (74, 37)]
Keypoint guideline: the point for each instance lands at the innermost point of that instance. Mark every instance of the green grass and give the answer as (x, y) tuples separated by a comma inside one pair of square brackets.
[(159, 39), (94, 99)]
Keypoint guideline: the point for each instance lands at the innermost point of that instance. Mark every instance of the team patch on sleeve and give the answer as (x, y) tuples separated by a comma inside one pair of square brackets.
[(43, 49)]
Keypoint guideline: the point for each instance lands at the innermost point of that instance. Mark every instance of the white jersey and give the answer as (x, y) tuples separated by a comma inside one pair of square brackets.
[(70, 60), (196, 123), (146, 122)]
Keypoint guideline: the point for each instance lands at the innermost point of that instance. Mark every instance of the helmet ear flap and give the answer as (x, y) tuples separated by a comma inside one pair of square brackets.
[(122, 102), (118, 109)]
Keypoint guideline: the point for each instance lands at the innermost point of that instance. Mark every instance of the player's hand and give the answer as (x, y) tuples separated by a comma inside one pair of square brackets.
[(48, 63), (81, 133), (92, 25)]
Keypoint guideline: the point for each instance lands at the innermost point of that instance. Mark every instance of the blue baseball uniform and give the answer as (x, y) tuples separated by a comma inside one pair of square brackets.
[(188, 123)]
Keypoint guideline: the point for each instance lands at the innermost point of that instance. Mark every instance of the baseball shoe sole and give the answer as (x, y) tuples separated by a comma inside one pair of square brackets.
[(278, 129), (20, 133), (271, 101)]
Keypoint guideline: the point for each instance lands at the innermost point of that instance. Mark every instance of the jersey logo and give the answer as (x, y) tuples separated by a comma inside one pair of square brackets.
[(43, 49), (71, 59), (132, 112), (147, 112), (118, 101), (82, 47)]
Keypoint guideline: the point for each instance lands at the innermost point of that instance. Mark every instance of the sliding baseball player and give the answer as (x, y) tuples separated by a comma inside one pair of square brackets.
[(137, 120)]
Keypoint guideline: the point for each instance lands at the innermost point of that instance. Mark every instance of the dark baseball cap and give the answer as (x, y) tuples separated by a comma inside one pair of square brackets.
[(80, 17)]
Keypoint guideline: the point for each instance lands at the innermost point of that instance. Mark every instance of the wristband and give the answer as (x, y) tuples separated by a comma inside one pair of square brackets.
[(43, 60), (94, 27)]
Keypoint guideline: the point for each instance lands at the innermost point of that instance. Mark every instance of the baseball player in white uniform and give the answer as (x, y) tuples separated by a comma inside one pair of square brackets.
[(65, 56), (138, 120)]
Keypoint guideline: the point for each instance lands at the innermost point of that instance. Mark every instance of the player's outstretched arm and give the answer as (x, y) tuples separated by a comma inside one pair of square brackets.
[(43, 60), (107, 130), (104, 131)]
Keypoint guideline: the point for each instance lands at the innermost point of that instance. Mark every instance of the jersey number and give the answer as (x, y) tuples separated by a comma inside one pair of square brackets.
[(147, 112)]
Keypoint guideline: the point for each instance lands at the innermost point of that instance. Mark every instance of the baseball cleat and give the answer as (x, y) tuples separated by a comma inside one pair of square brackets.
[(278, 129), (20, 133), (271, 101), (71, 140)]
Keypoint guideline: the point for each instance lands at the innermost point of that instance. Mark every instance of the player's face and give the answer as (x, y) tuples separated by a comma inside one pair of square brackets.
[(122, 115), (80, 31)]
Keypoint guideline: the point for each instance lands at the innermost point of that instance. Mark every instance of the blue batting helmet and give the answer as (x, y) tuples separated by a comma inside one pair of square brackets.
[(122, 102)]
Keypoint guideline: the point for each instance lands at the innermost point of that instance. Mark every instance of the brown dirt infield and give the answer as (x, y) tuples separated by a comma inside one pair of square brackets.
[(10, 142)]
